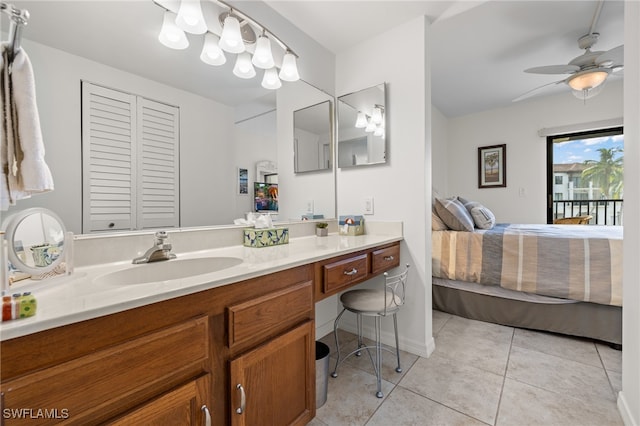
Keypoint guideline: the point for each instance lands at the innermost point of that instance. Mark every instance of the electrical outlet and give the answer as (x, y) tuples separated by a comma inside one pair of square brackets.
[(368, 205), (309, 206)]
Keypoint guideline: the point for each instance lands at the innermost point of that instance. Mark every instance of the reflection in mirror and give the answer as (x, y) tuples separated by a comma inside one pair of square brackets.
[(313, 135), (362, 138), (35, 240), (225, 123)]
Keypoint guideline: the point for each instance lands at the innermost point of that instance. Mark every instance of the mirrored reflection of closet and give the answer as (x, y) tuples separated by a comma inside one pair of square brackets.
[(362, 132), (313, 138)]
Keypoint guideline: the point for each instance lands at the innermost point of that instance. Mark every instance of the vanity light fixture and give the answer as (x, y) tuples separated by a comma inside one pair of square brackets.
[(211, 52), (170, 34), (237, 35), (372, 123), (190, 17), (361, 120), (244, 67), (271, 79), (376, 116)]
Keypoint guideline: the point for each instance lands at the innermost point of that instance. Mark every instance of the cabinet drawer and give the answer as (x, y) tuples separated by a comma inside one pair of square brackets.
[(385, 259), (342, 273), (269, 315), (108, 381)]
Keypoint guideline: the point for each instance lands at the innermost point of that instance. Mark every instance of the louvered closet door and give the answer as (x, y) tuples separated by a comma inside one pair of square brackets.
[(157, 165), (108, 159)]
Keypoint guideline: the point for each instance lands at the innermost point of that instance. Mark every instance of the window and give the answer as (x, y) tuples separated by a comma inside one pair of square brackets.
[(593, 161), (558, 196), (130, 169)]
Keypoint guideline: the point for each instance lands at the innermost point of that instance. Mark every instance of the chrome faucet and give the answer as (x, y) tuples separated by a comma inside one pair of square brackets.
[(161, 250)]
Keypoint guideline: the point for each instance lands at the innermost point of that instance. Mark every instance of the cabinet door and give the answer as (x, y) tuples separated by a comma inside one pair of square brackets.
[(185, 405), (274, 384)]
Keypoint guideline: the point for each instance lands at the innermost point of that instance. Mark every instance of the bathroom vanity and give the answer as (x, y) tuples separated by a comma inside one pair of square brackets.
[(236, 351)]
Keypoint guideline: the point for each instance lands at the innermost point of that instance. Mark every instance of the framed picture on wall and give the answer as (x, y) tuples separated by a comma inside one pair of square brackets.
[(243, 181), (492, 166)]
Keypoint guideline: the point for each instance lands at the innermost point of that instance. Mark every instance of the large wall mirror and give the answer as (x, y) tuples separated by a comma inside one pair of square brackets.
[(227, 124), (313, 138), (362, 131)]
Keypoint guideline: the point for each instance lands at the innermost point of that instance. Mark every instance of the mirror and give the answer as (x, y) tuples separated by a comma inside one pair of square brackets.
[(362, 137), (313, 138), (35, 240), (218, 136)]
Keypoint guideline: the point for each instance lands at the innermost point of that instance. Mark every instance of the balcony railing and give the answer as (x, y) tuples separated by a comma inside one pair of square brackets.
[(604, 211)]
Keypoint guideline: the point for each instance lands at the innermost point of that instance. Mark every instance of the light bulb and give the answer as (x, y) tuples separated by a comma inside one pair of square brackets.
[(379, 131), (361, 120), (243, 67), (376, 116), (231, 38), (170, 35), (271, 80), (262, 57), (371, 126), (289, 70), (190, 17), (211, 52)]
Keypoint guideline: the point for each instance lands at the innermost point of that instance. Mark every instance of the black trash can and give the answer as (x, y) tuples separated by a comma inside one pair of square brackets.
[(322, 373)]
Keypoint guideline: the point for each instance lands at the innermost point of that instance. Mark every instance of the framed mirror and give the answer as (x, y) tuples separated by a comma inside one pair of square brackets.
[(313, 138), (362, 127), (35, 240)]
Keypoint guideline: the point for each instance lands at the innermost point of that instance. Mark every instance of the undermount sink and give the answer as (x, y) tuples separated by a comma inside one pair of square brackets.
[(167, 270)]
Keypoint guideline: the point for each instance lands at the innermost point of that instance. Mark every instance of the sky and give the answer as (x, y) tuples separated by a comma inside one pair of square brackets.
[(586, 149)]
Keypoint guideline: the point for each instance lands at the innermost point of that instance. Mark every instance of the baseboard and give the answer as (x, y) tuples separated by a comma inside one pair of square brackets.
[(625, 413), (388, 338)]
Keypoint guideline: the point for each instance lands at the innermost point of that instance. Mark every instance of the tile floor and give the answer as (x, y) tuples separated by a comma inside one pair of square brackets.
[(479, 374)]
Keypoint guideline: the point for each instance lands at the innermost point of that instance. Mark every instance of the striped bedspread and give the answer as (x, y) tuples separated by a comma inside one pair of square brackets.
[(578, 262)]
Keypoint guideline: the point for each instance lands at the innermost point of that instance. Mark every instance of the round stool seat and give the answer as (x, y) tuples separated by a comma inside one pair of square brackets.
[(370, 302)]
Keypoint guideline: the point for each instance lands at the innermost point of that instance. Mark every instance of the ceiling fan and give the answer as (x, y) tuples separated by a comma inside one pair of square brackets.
[(587, 72)]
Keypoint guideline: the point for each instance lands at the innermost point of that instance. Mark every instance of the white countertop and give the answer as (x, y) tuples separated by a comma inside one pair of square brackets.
[(69, 299)]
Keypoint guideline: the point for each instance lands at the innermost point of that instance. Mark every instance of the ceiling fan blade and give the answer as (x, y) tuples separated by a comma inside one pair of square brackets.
[(611, 58), (537, 90), (554, 69)]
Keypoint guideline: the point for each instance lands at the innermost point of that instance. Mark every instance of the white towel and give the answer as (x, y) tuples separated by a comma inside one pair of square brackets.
[(23, 167)]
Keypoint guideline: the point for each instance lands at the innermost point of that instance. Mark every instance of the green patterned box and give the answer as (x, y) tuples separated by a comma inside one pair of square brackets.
[(266, 237)]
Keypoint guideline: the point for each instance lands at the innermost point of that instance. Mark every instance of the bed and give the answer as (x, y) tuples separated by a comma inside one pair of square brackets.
[(559, 278)]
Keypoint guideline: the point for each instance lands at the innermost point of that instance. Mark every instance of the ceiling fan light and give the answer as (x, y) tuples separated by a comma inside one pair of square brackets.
[(587, 93), (231, 38), (262, 57), (587, 80), (170, 34), (211, 52), (243, 67), (271, 79), (190, 17), (289, 70), (361, 120)]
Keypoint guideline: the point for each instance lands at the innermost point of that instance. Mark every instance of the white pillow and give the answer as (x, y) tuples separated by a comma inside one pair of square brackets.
[(454, 214), (483, 217)]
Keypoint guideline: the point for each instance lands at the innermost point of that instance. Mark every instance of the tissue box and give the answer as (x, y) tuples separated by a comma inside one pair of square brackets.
[(351, 225), (265, 237), (311, 216)]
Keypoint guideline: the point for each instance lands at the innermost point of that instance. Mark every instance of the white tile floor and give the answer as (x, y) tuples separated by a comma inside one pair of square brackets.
[(480, 374)]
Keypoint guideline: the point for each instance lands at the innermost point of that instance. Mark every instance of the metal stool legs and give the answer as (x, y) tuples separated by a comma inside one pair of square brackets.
[(377, 362)]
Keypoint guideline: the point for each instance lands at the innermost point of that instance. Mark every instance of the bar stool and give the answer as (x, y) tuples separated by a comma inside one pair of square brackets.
[(375, 303)]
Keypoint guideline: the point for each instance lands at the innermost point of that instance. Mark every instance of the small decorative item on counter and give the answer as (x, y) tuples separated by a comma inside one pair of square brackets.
[(44, 254), (18, 306), (265, 237), (351, 225), (322, 229)]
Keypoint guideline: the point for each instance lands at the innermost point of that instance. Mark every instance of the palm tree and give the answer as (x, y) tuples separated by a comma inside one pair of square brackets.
[(607, 172)]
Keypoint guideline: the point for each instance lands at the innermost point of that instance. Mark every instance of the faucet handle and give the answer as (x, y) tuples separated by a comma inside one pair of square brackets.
[(161, 236)]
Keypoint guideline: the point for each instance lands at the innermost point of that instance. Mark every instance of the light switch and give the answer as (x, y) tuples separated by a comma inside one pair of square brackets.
[(368, 205)]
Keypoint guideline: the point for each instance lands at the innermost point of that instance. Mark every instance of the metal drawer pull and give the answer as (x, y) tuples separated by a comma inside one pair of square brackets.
[(243, 399), (389, 258), (207, 415), (351, 272)]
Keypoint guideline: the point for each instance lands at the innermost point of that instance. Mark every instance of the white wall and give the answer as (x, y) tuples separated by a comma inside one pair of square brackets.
[(398, 187), (629, 398), (297, 189), (517, 126), (439, 151), (205, 132)]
